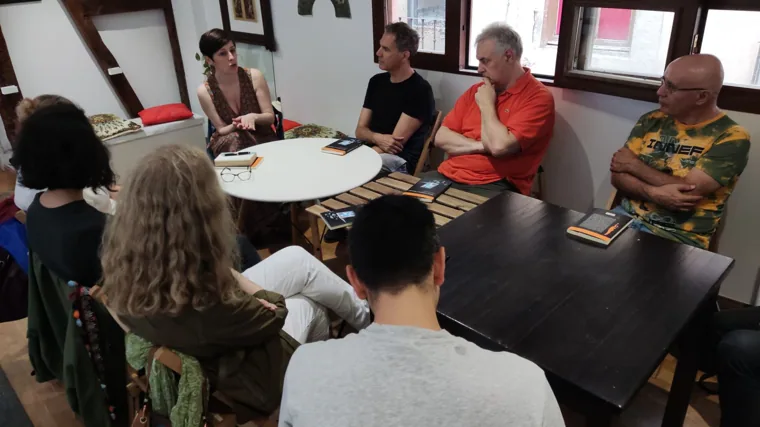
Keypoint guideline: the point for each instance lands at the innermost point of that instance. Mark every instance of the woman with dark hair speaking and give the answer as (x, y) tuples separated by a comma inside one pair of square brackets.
[(236, 100)]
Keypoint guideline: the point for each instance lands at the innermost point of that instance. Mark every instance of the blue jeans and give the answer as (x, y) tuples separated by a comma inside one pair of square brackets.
[(636, 224)]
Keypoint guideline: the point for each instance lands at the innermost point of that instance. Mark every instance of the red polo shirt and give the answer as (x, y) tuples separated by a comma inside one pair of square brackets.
[(527, 110)]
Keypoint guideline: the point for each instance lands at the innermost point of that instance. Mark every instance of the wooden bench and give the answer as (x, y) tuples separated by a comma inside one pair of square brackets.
[(446, 207)]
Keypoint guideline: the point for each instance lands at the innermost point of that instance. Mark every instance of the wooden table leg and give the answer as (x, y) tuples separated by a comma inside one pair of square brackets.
[(316, 240), (686, 368), (295, 234), (600, 417)]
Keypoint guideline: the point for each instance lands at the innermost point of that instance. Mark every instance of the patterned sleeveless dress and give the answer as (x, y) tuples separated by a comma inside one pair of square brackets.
[(256, 220), (239, 139)]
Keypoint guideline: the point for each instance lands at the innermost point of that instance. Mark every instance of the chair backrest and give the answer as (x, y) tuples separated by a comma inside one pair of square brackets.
[(428, 146), (278, 118), (614, 200)]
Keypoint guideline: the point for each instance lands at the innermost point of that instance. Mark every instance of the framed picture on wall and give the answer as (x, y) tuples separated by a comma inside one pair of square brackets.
[(248, 21)]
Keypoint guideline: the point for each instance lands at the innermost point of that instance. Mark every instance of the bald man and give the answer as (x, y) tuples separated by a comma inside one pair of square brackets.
[(682, 162)]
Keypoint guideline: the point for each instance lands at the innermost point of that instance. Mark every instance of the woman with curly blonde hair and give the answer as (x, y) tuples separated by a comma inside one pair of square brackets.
[(168, 258)]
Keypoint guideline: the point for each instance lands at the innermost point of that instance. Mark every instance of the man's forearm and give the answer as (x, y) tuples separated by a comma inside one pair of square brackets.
[(363, 133), (456, 144), (654, 177), (496, 138), (631, 185)]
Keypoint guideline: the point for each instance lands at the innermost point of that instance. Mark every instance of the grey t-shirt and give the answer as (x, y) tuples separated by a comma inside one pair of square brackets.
[(405, 376)]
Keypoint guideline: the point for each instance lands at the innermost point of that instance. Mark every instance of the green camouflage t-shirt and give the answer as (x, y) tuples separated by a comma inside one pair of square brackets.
[(718, 147)]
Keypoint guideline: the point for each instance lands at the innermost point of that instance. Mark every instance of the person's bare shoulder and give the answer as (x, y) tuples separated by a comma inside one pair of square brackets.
[(202, 91), (256, 75)]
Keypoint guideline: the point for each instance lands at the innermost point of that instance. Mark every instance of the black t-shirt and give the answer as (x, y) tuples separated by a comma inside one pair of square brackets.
[(387, 100), (67, 239)]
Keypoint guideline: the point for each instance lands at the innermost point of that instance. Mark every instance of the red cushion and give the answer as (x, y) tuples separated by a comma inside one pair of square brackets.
[(165, 114), (289, 124)]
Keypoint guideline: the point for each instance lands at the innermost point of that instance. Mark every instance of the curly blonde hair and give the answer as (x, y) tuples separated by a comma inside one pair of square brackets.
[(27, 106), (171, 244)]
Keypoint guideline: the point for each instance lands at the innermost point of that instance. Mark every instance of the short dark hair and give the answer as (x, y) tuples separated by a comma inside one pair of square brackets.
[(407, 38), (57, 149), (393, 243), (213, 40)]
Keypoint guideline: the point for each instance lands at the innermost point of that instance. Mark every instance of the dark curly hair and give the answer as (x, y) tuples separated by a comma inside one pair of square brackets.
[(58, 149)]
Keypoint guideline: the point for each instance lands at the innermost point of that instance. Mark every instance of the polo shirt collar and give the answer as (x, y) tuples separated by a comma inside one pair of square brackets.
[(521, 83)]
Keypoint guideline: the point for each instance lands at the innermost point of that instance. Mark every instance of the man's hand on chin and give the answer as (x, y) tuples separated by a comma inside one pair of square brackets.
[(486, 95)]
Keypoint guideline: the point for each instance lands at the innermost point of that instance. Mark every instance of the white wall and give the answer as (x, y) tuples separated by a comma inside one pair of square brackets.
[(323, 65), (49, 55)]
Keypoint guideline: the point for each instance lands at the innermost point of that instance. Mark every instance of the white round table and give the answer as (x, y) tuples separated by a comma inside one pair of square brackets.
[(296, 170)]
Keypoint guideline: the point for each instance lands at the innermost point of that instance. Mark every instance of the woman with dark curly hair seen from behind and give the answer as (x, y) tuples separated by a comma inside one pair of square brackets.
[(168, 259), (101, 198), (71, 337)]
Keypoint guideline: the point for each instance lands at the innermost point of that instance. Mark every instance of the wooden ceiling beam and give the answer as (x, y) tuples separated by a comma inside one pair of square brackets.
[(8, 102)]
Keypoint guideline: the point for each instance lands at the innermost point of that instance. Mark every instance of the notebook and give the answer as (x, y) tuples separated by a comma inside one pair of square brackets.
[(600, 227), (342, 147), (243, 158), (340, 218), (428, 189)]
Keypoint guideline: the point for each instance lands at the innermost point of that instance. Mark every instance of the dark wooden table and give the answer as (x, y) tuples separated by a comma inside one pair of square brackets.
[(597, 320)]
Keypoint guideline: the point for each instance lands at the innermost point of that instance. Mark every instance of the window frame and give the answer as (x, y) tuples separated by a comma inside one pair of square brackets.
[(449, 61), (690, 18)]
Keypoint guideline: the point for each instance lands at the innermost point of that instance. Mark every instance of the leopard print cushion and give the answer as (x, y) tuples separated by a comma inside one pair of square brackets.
[(314, 131), (108, 126)]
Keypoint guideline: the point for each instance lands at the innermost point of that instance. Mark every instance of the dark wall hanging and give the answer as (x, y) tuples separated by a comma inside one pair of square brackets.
[(249, 21), (342, 8)]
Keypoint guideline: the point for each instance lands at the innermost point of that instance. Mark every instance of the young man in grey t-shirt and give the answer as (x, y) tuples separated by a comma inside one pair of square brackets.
[(403, 370)]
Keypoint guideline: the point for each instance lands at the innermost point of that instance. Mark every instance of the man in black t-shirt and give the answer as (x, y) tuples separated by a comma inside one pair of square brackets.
[(398, 107)]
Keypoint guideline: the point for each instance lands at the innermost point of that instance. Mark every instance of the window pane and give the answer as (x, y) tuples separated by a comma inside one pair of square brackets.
[(537, 22), (739, 48), (428, 17), (626, 42)]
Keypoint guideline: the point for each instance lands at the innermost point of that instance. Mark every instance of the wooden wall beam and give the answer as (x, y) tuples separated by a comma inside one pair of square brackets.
[(179, 68), (105, 59), (82, 12), (9, 102)]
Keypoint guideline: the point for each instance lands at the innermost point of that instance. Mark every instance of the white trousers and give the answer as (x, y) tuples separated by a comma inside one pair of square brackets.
[(309, 288)]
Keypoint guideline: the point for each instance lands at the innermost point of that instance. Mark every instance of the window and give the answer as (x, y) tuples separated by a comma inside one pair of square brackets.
[(529, 18), (625, 42), (428, 17), (439, 42), (738, 49), (617, 47)]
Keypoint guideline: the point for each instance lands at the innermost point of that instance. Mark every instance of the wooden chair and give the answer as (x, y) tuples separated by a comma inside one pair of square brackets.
[(428, 146), (616, 198), (539, 184), (136, 384)]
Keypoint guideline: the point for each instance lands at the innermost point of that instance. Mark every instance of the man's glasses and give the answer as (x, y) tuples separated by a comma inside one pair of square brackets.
[(671, 87), (228, 175)]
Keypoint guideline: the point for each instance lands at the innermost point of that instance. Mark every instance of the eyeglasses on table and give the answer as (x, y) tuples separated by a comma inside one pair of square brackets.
[(228, 175)]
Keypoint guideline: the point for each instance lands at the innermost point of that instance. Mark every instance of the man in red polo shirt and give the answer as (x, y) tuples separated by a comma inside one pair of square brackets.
[(499, 130)]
